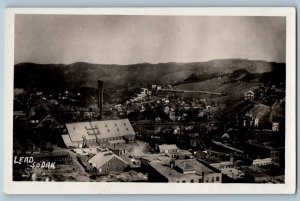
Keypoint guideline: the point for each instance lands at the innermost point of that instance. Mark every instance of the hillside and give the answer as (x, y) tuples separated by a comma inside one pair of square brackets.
[(80, 74), (243, 75)]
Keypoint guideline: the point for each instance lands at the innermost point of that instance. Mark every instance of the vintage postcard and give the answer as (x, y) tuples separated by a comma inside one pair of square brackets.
[(150, 101)]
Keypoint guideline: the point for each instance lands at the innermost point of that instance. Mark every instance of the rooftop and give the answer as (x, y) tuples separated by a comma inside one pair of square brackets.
[(99, 129), (171, 173), (156, 158), (102, 157), (120, 146), (167, 146)]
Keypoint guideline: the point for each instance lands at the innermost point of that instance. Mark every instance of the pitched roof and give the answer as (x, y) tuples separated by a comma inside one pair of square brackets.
[(103, 157), (251, 92), (54, 123), (67, 141), (99, 129), (167, 146)]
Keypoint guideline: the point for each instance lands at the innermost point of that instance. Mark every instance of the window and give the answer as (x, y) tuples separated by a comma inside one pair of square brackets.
[(124, 124), (200, 180), (217, 178), (118, 129), (127, 129), (192, 181), (212, 179), (108, 130), (107, 164), (115, 124), (183, 181)]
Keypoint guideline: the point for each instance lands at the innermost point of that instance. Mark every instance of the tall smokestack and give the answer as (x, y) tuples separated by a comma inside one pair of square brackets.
[(100, 98)]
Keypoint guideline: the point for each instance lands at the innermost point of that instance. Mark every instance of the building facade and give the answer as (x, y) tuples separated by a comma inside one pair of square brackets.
[(182, 171), (249, 95), (107, 162)]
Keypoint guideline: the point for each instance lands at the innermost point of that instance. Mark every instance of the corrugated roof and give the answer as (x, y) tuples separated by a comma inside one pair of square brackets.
[(101, 129), (103, 157)]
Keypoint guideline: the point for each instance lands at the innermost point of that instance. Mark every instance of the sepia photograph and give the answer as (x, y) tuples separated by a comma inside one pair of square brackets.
[(163, 98)]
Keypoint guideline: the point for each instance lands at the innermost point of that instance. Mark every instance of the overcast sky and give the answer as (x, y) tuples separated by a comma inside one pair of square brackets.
[(154, 39)]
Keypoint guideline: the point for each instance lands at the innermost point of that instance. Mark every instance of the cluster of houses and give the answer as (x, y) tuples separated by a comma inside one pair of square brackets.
[(104, 143), (178, 166), (144, 92), (174, 108), (157, 88), (65, 96), (269, 95)]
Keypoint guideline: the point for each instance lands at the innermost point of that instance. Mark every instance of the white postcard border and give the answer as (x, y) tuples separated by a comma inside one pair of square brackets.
[(13, 187)]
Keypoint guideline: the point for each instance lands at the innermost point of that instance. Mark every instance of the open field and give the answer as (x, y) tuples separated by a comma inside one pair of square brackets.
[(230, 91)]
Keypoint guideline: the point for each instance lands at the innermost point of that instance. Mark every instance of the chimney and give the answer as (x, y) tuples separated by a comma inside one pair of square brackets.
[(172, 163), (100, 98), (231, 159)]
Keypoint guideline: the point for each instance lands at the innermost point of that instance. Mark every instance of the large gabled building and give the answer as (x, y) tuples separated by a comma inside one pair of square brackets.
[(107, 162), (97, 133)]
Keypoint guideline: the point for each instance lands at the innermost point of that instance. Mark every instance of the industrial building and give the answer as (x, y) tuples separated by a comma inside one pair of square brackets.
[(183, 171), (98, 133), (161, 168)]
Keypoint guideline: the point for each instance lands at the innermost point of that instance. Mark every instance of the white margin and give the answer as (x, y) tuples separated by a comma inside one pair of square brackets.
[(289, 187)]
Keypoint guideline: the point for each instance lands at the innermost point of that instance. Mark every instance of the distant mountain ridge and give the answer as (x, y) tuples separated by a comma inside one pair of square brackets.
[(51, 76)]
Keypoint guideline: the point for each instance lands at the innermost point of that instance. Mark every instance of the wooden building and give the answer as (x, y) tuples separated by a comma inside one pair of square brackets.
[(107, 162), (97, 133)]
